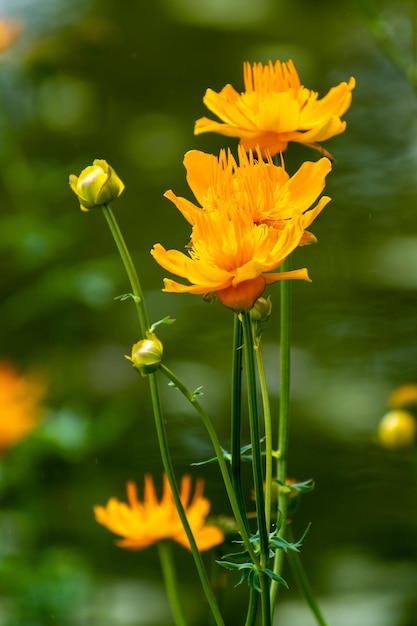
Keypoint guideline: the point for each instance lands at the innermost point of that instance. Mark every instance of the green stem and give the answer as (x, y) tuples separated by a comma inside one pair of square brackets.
[(240, 520), (303, 583), (157, 410), (171, 582), (257, 464), (252, 608), (169, 471), (283, 427), (236, 416), (129, 267), (268, 428)]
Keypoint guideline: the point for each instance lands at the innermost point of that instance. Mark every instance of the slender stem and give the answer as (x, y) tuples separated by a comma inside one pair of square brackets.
[(257, 465), (252, 608), (236, 416), (129, 267), (171, 582), (283, 427), (219, 453), (268, 428), (157, 410), (303, 583), (169, 471)]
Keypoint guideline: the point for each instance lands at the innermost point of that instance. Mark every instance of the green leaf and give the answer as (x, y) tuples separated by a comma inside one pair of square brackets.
[(275, 577), (226, 455), (281, 544), (303, 487), (166, 320), (238, 557), (198, 392), (127, 296)]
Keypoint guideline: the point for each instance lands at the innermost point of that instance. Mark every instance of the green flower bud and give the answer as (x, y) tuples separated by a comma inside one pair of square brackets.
[(261, 310), (97, 184), (146, 354), (397, 430)]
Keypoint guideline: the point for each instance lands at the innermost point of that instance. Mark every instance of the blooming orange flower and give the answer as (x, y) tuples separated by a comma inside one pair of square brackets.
[(142, 524), (263, 189), (19, 405), (276, 108), (231, 256)]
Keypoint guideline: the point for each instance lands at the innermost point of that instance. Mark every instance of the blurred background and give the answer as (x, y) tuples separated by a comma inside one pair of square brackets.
[(85, 79)]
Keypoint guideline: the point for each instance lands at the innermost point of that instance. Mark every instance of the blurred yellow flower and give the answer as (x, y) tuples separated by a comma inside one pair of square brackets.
[(261, 188), (20, 410), (232, 258), (276, 108), (142, 524), (397, 430)]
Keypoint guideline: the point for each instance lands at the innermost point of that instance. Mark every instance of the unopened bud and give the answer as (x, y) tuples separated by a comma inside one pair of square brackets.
[(397, 429), (97, 184), (147, 354), (261, 310)]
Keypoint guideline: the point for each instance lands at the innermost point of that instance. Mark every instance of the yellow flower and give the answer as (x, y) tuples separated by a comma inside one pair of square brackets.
[(263, 189), (20, 410), (276, 108), (97, 184), (397, 430), (142, 524), (231, 256)]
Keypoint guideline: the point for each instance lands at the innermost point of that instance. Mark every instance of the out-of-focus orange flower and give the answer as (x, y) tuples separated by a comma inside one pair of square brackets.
[(142, 524), (276, 108), (260, 188), (232, 258), (10, 31), (20, 410), (404, 396)]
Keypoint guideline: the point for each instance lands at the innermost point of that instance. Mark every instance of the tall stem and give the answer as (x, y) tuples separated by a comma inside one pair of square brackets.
[(236, 416), (283, 426), (171, 582), (240, 520), (268, 430), (303, 583), (157, 410), (129, 267), (257, 464)]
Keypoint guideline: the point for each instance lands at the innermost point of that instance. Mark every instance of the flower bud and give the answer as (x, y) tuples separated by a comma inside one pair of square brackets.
[(97, 184), (397, 429), (147, 354), (261, 310)]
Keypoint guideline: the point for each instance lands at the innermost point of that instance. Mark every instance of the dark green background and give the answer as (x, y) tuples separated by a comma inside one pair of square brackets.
[(124, 81)]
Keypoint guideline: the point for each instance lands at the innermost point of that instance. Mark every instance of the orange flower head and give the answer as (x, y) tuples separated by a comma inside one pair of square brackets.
[(20, 410), (142, 524), (263, 189), (232, 257), (276, 108)]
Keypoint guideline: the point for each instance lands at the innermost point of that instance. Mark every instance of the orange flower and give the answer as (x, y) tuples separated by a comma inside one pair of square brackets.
[(142, 524), (263, 189), (231, 256), (10, 31), (275, 109), (19, 405)]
